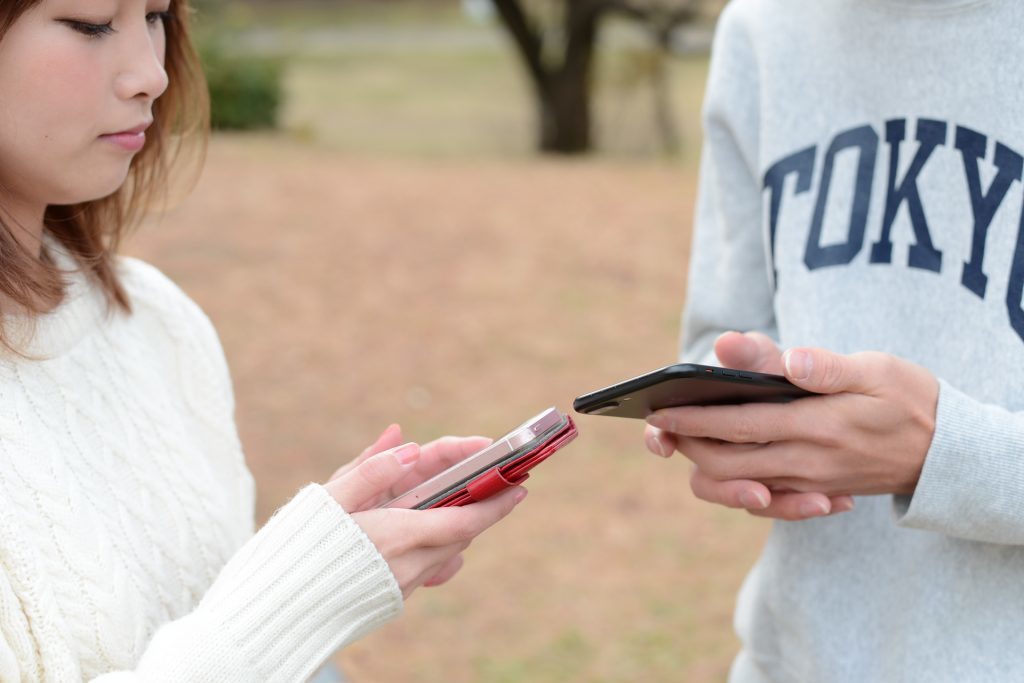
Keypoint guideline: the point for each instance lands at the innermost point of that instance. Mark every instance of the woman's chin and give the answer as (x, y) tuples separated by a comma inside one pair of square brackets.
[(97, 188)]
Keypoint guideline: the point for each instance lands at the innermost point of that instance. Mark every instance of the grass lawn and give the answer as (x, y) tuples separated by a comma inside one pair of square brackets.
[(303, 14), (474, 104), (417, 79)]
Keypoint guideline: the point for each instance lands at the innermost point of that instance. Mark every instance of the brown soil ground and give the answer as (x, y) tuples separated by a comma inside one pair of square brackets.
[(462, 297)]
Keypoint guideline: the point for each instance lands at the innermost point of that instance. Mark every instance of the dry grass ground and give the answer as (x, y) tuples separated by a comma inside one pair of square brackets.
[(462, 297), (400, 255)]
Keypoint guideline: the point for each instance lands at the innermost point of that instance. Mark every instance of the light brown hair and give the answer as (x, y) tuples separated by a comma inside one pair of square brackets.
[(93, 231)]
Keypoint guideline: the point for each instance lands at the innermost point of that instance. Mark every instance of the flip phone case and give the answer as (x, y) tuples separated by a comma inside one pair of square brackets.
[(510, 474)]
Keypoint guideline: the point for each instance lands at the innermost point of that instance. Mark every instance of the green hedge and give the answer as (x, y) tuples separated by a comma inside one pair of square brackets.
[(245, 91)]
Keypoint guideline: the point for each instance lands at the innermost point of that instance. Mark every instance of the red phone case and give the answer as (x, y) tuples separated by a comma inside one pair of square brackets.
[(514, 473)]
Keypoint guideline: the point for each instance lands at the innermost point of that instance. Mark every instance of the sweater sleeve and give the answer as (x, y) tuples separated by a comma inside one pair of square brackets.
[(309, 582), (729, 285), (972, 484)]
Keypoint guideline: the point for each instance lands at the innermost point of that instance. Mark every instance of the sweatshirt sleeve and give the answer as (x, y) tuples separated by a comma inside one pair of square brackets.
[(729, 285), (309, 582), (972, 483)]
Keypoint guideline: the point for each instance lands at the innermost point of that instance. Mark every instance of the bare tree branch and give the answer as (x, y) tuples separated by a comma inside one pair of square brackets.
[(527, 38), (563, 85)]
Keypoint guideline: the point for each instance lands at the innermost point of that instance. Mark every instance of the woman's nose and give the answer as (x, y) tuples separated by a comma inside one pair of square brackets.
[(142, 75)]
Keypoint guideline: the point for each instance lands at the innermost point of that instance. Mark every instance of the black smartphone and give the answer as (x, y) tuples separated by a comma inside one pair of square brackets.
[(687, 384)]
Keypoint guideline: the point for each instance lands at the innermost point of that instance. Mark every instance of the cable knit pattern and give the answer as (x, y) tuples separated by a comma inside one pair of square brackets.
[(125, 499)]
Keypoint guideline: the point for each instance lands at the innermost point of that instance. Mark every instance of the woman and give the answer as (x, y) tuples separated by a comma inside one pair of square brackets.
[(126, 521)]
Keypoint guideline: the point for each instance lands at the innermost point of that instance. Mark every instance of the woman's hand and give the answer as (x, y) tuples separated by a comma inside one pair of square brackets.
[(434, 457), (422, 547), (868, 434)]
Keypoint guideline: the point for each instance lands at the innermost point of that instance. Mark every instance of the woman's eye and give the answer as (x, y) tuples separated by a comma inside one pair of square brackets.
[(153, 17), (87, 29)]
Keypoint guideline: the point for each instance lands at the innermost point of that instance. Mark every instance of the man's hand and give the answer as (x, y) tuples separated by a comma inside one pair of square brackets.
[(868, 434)]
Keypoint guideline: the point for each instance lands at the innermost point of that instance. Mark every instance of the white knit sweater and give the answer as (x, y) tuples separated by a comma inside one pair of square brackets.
[(126, 511)]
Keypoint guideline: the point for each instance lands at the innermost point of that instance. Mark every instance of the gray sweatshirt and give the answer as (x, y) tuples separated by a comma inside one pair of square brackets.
[(861, 189)]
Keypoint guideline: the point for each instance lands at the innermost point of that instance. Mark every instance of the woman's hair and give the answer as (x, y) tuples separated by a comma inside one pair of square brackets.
[(92, 231)]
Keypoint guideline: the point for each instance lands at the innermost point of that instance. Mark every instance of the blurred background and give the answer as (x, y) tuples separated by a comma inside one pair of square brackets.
[(451, 215)]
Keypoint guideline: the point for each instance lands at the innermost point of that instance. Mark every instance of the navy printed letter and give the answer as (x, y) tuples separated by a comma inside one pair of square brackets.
[(816, 256), (984, 206), (1015, 291), (801, 163), (930, 134)]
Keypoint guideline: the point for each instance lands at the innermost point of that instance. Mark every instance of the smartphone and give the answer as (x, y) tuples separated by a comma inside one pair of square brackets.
[(687, 384), (515, 453)]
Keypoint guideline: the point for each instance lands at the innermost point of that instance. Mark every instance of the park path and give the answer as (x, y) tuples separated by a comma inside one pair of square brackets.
[(340, 40)]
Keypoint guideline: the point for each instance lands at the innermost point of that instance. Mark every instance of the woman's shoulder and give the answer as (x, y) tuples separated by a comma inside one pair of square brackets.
[(147, 285), (176, 323), (158, 300), (151, 292)]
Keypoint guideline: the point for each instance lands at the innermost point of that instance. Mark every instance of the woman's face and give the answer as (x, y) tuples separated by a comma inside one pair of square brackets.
[(78, 79)]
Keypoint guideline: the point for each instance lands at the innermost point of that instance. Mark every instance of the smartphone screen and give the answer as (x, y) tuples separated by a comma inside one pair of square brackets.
[(686, 384)]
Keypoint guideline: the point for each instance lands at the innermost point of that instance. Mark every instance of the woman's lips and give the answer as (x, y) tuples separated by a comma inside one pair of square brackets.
[(129, 140)]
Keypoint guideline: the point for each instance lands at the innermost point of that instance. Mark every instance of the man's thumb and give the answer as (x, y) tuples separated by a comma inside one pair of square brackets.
[(825, 372)]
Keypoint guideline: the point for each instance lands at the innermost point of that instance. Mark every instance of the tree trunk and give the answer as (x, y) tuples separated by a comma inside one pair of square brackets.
[(562, 89), (565, 108), (565, 119)]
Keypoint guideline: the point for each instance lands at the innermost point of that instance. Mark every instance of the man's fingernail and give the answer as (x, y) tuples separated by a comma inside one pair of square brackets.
[(814, 509), (753, 500), (843, 505), (520, 494), (659, 421), (654, 445), (408, 453), (798, 364)]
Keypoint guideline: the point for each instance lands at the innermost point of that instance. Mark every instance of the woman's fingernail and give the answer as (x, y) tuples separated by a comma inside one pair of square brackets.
[(798, 364), (408, 453), (520, 494), (752, 500), (814, 509)]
